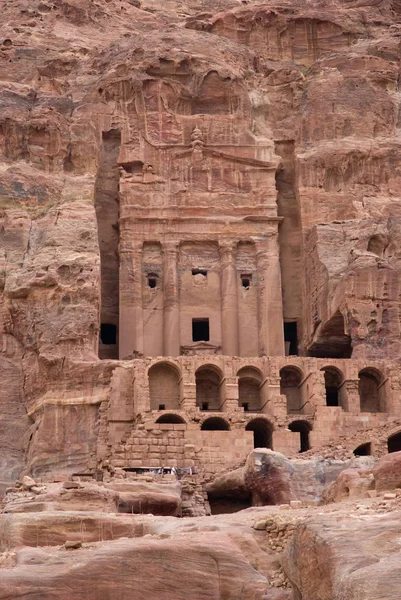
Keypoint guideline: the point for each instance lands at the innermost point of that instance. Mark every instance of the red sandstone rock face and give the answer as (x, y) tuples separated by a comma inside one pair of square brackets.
[(332, 560), (201, 568), (351, 483), (387, 472), (319, 80)]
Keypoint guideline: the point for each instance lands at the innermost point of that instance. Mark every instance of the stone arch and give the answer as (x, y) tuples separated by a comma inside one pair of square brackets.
[(370, 390), (164, 386), (249, 382), (215, 424), (394, 442), (209, 379), (363, 449), (171, 419), (333, 378), (290, 386), (262, 432), (303, 428)]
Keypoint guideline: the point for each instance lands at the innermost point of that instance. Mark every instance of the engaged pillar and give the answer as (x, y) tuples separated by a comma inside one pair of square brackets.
[(131, 311), (171, 310), (229, 301), (270, 304)]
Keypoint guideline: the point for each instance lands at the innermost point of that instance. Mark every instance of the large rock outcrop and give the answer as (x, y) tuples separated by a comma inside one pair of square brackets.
[(349, 557)]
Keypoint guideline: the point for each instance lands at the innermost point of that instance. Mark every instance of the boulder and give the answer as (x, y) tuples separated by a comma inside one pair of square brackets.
[(28, 482), (142, 497), (346, 557), (387, 472), (268, 475), (351, 483)]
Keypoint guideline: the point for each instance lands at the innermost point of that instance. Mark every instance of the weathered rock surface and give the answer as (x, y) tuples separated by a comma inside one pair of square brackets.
[(319, 80), (270, 478), (201, 567), (387, 472), (346, 557), (52, 528), (351, 483), (139, 497)]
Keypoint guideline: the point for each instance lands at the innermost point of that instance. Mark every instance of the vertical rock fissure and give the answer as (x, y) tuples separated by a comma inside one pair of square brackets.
[(107, 213), (290, 242)]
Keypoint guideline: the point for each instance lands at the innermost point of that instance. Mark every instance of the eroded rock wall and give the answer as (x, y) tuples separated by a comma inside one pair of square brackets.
[(321, 78)]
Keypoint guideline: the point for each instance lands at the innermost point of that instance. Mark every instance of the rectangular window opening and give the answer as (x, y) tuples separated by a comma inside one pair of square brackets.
[(162, 407), (291, 338), (246, 281), (108, 334), (205, 405), (245, 406), (200, 330), (152, 281)]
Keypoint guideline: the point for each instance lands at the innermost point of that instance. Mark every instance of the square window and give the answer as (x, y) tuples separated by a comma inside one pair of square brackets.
[(162, 407), (205, 405), (200, 330)]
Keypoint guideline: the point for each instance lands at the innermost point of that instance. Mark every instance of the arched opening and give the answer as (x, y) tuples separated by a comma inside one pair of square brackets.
[(290, 381), (369, 390), (208, 388), (332, 381), (262, 433), (303, 428), (363, 449), (377, 244), (215, 424), (164, 387), (394, 442), (170, 419), (249, 381)]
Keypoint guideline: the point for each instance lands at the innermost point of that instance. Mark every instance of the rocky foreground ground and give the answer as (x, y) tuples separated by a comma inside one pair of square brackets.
[(77, 539)]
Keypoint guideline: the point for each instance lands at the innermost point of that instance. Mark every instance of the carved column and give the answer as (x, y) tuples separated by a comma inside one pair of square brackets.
[(270, 304), (171, 309), (131, 310), (229, 301)]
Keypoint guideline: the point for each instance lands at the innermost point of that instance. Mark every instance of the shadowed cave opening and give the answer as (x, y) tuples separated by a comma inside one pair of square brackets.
[(363, 449), (394, 442), (229, 503), (331, 340)]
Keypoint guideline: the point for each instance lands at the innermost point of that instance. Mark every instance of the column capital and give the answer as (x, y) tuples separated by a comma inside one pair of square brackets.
[(170, 247), (264, 244), (227, 247), (130, 246)]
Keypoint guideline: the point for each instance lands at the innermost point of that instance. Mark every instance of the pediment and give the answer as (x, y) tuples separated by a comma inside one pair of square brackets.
[(208, 153), (200, 348)]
